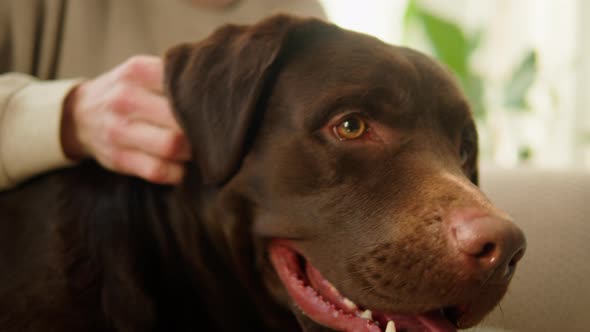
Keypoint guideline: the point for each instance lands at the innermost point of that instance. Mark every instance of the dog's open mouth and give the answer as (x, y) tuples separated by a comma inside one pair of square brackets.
[(324, 304)]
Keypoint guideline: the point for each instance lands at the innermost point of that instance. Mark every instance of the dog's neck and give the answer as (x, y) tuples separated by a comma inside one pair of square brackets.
[(230, 253), (181, 256)]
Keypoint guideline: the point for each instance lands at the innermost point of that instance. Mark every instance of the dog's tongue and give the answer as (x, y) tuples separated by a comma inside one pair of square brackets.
[(322, 302), (433, 321), (436, 322)]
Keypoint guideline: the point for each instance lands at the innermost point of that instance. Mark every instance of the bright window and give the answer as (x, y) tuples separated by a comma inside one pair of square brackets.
[(525, 65)]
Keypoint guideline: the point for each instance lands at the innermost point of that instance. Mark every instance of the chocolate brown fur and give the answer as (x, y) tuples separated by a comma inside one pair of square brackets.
[(86, 250)]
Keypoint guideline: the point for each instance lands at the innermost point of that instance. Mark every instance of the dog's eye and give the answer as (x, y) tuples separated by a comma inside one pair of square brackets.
[(351, 127)]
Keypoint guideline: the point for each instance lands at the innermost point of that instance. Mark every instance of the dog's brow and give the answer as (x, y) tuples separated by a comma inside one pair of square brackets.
[(377, 102)]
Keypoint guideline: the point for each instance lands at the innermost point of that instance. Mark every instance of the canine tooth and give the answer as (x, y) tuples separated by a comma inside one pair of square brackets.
[(390, 327), (367, 314), (349, 304)]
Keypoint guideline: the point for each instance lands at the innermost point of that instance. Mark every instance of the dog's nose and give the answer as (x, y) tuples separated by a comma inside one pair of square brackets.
[(494, 244)]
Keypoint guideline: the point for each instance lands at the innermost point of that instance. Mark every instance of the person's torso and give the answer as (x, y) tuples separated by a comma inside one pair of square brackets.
[(68, 39)]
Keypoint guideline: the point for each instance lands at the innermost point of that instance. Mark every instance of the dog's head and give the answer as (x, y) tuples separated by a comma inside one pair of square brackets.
[(357, 160)]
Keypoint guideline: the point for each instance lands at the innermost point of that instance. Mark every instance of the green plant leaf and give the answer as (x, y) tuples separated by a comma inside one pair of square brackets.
[(520, 82), (410, 14), (448, 41), (474, 90), (452, 47)]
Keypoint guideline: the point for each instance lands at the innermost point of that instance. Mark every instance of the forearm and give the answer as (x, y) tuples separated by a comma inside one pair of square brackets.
[(30, 119)]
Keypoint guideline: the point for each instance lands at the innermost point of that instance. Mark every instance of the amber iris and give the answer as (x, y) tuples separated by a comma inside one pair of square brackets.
[(350, 128)]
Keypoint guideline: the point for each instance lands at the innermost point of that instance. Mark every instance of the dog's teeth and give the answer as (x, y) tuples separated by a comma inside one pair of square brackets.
[(349, 304), (390, 327), (333, 289), (367, 314)]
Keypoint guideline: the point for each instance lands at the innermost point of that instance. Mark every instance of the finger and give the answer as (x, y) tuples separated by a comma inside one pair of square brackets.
[(148, 107), (146, 70), (154, 74), (143, 165), (156, 141)]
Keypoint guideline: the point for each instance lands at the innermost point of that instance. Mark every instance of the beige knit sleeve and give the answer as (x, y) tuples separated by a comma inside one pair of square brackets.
[(30, 118)]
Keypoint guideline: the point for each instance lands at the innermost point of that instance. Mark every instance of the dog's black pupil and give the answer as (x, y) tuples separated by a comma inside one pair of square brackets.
[(352, 125)]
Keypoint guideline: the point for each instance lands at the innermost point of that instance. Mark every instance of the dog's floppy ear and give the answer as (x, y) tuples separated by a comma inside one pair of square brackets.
[(217, 88)]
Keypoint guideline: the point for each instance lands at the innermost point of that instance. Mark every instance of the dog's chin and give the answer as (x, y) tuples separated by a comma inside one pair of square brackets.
[(319, 306)]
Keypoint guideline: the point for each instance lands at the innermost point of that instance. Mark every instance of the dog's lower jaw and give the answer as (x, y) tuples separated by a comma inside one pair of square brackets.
[(315, 297)]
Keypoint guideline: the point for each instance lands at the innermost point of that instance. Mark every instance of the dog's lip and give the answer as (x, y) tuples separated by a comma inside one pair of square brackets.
[(324, 304)]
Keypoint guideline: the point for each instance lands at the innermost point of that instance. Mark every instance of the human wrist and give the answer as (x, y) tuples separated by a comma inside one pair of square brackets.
[(69, 132)]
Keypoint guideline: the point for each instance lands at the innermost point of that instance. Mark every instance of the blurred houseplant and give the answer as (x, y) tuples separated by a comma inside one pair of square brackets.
[(451, 44)]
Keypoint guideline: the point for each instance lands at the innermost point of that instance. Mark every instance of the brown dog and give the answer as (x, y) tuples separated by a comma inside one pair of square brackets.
[(334, 188)]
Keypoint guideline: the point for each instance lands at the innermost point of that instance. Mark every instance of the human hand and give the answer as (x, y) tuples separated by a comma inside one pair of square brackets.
[(123, 120)]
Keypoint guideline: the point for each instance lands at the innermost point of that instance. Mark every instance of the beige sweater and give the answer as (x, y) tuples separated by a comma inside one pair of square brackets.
[(47, 45)]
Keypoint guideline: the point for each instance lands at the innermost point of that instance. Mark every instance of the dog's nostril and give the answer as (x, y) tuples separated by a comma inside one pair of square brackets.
[(511, 267), (495, 245), (487, 249), (516, 258), (474, 241)]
